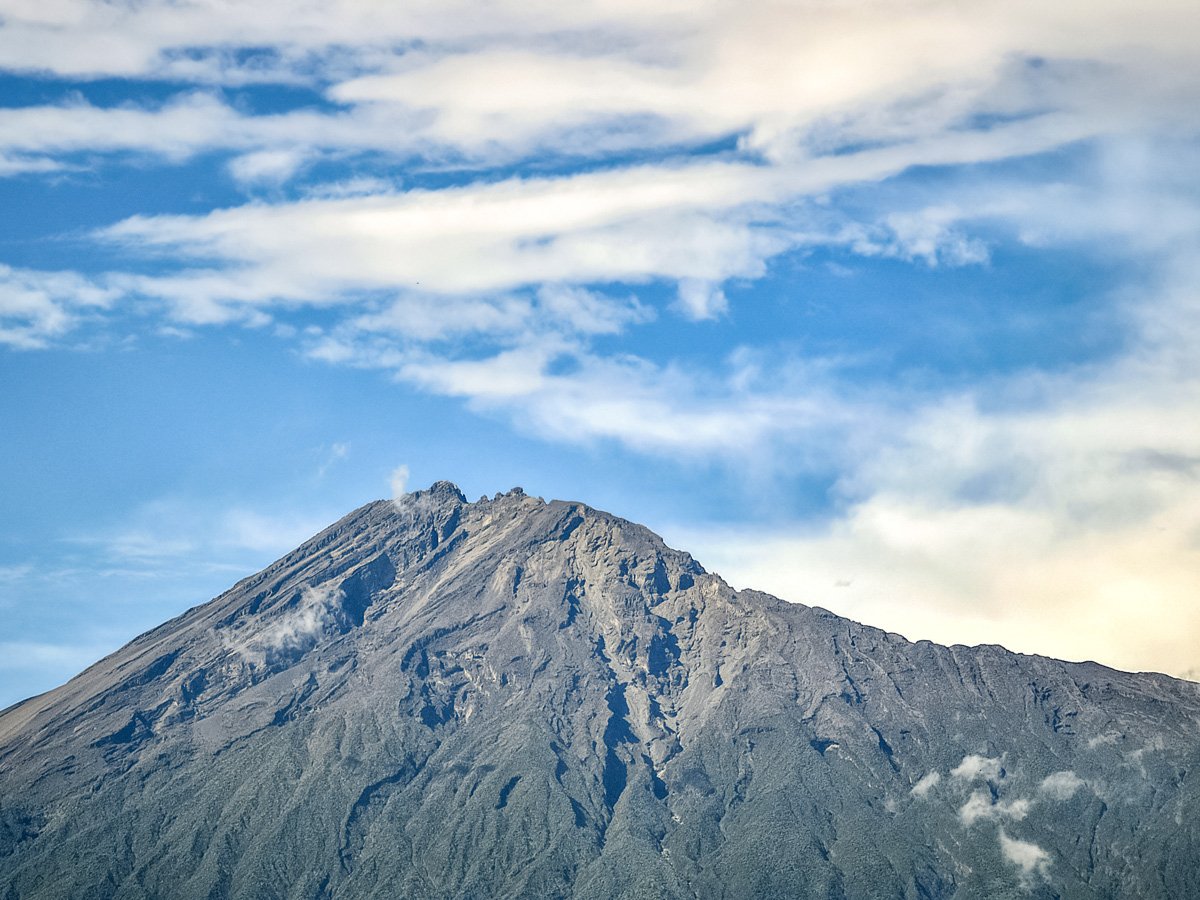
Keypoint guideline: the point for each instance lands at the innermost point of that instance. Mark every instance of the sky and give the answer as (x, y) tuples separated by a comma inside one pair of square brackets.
[(885, 307)]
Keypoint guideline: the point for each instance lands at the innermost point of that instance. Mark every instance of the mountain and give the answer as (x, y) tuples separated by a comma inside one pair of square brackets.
[(511, 698)]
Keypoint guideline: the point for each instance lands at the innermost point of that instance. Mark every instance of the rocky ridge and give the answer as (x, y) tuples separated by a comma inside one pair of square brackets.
[(512, 698)]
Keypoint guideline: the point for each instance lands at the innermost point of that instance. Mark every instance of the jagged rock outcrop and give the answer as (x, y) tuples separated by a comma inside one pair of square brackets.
[(512, 698)]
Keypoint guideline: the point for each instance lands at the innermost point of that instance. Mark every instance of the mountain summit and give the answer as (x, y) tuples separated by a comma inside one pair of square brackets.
[(511, 698)]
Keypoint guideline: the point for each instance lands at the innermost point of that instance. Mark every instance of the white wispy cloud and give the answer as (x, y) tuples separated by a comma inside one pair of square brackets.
[(270, 147), (981, 807), (1061, 785), (701, 299), (15, 572), (926, 783), (295, 627), (978, 768), (399, 481), (616, 74), (1031, 859), (177, 530), (338, 451), (38, 307), (699, 223), (273, 166)]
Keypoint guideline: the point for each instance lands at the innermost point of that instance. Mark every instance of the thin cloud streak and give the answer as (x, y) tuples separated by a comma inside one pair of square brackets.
[(698, 223), (499, 83)]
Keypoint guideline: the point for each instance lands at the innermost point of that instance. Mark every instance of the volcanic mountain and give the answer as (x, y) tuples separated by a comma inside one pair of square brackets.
[(510, 698)]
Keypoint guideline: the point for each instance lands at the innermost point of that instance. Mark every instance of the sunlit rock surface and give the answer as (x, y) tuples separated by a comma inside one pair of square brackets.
[(512, 698)]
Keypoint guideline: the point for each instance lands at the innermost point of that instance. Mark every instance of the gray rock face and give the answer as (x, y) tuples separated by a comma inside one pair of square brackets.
[(512, 698)]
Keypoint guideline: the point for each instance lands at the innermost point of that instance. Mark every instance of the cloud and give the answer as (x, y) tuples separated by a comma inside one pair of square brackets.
[(512, 78), (399, 482), (1029, 858), (173, 533), (505, 261), (1061, 785), (266, 166), (15, 573), (36, 308), (338, 451), (15, 164), (928, 235), (264, 533), (174, 130), (421, 317), (626, 225), (974, 768), (296, 627), (925, 784), (1137, 758), (980, 806), (585, 312), (699, 300), (310, 617), (271, 147), (651, 408), (697, 223)]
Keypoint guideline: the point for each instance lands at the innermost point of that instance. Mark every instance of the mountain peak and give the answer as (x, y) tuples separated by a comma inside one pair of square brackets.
[(447, 489), (517, 698), (442, 492)]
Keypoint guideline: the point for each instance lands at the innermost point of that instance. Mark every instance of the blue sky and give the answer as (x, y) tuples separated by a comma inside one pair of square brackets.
[(885, 307)]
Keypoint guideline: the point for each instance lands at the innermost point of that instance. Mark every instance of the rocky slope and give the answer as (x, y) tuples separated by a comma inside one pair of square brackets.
[(513, 698)]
